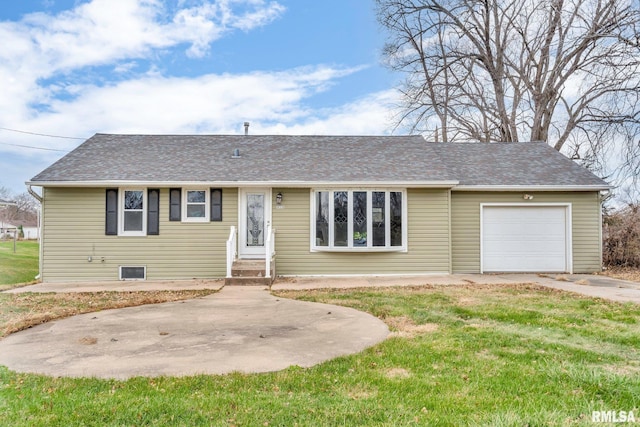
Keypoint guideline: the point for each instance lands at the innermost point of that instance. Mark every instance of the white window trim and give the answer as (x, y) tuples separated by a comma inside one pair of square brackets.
[(121, 211), (350, 247), (207, 205)]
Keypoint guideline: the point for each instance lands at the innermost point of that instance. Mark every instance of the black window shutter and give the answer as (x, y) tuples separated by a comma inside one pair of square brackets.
[(216, 204), (153, 212), (175, 204), (111, 215)]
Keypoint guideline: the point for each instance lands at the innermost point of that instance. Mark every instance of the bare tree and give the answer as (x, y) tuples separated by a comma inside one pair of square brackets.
[(25, 208), (5, 193), (562, 71)]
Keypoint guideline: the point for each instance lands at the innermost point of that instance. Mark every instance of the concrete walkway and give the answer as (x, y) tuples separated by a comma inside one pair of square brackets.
[(585, 284), (122, 286), (238, 329), (595, 286)]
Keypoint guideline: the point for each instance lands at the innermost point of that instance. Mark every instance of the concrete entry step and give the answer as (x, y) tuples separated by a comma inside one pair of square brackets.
[(247, 281), (249, 272)]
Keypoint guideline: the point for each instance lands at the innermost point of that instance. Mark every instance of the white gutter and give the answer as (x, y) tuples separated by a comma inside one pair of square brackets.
[(531, 188), (40, 240), (316, 184), (265, 184), (33, 193)]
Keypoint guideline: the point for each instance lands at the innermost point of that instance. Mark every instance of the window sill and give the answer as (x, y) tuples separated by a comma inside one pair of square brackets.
[(196, 220), (359, 250), (133, 234)]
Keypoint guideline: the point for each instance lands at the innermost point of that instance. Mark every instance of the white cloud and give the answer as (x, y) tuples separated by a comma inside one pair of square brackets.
[(207, 22), (104, 32), (215, 104)]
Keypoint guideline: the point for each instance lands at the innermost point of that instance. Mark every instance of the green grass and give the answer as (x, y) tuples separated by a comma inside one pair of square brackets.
[(19, 267), (474, 355)]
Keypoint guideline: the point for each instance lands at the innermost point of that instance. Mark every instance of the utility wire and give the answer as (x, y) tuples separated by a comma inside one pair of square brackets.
[(34, 148), (40, 134)]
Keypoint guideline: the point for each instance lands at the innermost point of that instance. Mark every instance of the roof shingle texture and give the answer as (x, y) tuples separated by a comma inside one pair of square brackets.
[(513, 164), (384, 159)]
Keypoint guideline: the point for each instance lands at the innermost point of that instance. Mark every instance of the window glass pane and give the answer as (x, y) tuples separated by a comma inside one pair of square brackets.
[(133, 221), (322, 218), (359, 218), (196, 211), (196, 197), (340, 218), (216, 205), (255, 220), (133, 199), (378, 220), (395, 199), (132, 272)]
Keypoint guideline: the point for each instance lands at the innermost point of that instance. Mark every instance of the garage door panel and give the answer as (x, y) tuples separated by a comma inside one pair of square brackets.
[(524, 239), (537, 248)]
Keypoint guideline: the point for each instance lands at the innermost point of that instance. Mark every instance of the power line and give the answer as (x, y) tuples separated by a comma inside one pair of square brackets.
[(34, 148), (40, 134)]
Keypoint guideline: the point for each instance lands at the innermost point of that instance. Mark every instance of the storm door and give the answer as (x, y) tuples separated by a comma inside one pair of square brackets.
[(255, 217)]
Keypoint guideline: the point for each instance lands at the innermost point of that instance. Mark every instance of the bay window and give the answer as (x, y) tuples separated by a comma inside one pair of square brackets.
[(358, 220)]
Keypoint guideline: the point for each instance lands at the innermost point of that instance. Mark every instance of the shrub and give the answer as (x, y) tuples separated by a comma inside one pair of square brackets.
[(621, 237)]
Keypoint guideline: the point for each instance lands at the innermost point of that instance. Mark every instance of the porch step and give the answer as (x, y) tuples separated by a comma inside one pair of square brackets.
[(247, 281), (248, 268), (249, 272)]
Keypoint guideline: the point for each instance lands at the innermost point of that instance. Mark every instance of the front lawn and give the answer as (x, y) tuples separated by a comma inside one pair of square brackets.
[(18, 267), (474, 355)]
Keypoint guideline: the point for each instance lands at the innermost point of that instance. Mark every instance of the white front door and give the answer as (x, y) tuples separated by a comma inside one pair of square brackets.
[(255, 217)]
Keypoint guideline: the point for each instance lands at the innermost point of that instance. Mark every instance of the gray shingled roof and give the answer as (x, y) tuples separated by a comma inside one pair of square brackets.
[(513, 164), (327, 159), (6, 203)]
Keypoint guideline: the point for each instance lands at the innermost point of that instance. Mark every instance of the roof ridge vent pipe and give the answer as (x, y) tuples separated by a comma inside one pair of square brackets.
[(236, 153), (246, 128)]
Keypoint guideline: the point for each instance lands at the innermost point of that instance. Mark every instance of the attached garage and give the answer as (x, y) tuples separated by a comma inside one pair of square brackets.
[(526, 238)]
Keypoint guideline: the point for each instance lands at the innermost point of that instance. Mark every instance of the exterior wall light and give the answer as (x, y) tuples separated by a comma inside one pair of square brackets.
[(527, 197), (279, 198)]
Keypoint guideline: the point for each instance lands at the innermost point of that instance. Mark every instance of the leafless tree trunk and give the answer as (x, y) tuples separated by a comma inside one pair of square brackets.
[(562, 71)]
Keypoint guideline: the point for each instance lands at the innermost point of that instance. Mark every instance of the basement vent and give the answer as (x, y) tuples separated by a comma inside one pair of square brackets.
[(133, 272)]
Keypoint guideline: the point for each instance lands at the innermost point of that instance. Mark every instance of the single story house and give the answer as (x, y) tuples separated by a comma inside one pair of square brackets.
[(187, 206), (8, 230), (30, 229)]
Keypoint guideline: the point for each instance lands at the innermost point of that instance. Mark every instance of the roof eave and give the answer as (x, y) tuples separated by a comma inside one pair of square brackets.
[(558, 188), (288, 184)]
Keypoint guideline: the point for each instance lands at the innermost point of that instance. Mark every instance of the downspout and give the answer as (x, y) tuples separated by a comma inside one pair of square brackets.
[(34, 194), (601, 197), (40, 199), (450, 232)]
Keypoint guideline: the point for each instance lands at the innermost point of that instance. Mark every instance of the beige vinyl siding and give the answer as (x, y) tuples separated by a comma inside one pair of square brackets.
[(465, 226), (74, 229), (428, 239)]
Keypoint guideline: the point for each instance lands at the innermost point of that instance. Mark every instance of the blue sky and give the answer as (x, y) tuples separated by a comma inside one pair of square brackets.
[(73, 68)]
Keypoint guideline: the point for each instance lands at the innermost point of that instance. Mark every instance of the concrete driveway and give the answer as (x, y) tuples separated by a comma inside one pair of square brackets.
[(238, 329)]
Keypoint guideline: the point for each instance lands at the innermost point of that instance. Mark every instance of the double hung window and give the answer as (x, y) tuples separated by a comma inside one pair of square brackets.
[(359, 220), (196, 206), (134, 214)]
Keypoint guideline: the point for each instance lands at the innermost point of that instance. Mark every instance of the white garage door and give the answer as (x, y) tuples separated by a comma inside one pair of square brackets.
[(524, 239)]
